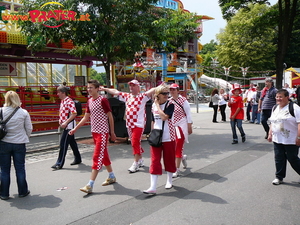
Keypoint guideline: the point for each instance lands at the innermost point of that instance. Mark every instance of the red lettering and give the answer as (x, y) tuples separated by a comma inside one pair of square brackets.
[(51, 14), (64, 15), (34, 14), (71, 15), (43, 16), (58, 13)]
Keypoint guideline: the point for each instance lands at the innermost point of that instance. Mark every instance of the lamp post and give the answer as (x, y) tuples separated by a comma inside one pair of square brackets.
[(244, 72), (226, 70), (214, 63)]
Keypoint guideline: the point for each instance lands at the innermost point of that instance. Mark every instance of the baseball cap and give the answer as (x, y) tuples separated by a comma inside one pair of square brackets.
[(134, 82), (175, 86)]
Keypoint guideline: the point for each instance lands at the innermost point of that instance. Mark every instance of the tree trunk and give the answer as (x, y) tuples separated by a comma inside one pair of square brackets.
[(287, 15)]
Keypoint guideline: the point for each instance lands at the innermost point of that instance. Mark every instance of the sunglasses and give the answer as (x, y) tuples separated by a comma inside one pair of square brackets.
[(165, 93)]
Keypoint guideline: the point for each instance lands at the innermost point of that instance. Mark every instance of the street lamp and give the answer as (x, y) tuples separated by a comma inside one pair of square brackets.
[(226, 70), (214, 63), (244, 72)]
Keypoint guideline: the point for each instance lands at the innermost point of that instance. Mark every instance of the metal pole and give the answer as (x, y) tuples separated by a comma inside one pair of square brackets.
[(196, 82)]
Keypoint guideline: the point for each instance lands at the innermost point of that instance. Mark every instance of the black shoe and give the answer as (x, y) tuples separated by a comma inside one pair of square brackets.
[(4, 197), (22, 196), (244, 139), (57, 167), (266, 137), (215, 121), (75, 163), (234, 142), (54, 166)]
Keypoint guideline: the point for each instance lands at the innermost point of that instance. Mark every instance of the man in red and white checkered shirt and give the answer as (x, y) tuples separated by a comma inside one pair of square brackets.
[(67, 114), (102, 125), (135, 118)]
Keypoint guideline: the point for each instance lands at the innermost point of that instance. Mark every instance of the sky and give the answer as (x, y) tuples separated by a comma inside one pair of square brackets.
[(210, 27)]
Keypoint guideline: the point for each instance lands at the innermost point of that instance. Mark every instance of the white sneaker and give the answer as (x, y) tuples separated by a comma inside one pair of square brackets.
[(168, 186), (184, 162), (176, 174), (134, 168), (276, 181), (141, 163), (149, 192)]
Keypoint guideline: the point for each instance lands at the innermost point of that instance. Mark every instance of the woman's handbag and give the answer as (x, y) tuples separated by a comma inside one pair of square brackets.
[(155, 137), (210, 104), (3, 130)]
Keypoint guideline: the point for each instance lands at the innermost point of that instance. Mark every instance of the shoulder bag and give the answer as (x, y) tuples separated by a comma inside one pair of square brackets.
[(3, 130), (155, 136)]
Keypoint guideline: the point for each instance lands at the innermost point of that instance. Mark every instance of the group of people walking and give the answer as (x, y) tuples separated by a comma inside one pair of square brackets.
[(170, 114), (279, 116)]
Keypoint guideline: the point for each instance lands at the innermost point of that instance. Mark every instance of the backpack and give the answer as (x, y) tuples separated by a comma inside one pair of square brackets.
[(78, 107), (291, 108)]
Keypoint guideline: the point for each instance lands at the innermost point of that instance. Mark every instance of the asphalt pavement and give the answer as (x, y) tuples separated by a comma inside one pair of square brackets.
[(223, 184)]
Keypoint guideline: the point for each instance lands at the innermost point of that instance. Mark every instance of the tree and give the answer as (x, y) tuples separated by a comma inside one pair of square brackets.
[(285, 20), (100, 77), (246, 43), (230, 7), (116, 30)]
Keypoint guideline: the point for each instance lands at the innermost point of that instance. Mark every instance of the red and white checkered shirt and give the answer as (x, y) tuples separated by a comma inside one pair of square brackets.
[(179, 112), (67, 107), (135, 109), (98, 109)]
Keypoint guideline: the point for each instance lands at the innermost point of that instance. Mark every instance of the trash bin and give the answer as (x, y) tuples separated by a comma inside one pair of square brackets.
[(148, 117), (118, 111)]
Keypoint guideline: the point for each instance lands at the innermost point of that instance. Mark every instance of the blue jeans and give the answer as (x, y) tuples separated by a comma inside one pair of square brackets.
[(238, 123), (284, 153), (17, 153), (255, 114)]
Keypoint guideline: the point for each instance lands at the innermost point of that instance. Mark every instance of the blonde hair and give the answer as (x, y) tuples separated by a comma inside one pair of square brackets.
[(160, 89), (12, 99)]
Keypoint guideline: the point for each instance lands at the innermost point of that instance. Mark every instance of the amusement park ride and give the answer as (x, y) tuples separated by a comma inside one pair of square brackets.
[(36, 77)]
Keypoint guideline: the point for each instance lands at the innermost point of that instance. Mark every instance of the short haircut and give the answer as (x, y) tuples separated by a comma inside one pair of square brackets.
[(63, 89), (283, 91), (269, 79), (12, 99), (94, 82)]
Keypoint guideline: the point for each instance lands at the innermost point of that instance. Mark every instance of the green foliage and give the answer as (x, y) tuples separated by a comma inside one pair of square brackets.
[(116, 30), (246, 43), (230, 7), (101, 77)]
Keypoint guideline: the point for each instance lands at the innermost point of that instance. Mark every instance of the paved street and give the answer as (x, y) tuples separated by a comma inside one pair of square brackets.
[(223, 184)]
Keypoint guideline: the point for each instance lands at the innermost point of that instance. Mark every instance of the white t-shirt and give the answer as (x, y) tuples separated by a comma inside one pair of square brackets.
[(284, 125)]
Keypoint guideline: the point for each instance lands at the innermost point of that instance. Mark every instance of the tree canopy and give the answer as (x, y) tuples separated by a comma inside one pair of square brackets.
[(115, 30), (244, 43)]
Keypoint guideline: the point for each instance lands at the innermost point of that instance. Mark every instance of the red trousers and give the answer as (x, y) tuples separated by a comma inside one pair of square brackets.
[(101, 156), (135, 135), (179, 144), (167, 151)]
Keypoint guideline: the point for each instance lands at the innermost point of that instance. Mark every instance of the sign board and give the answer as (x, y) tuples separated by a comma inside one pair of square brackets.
[(79, 80), (8, 69)]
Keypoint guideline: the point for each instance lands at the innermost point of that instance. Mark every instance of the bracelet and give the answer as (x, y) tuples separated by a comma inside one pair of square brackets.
[(298, 138)]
